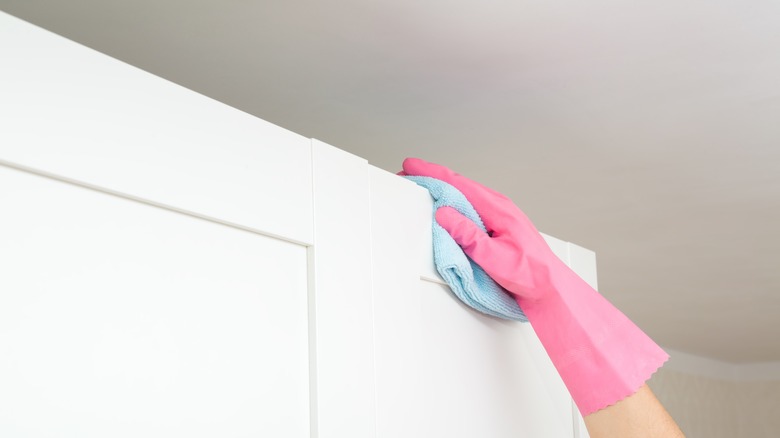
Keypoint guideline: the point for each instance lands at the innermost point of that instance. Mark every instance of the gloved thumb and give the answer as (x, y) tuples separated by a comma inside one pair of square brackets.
[(466, 233)]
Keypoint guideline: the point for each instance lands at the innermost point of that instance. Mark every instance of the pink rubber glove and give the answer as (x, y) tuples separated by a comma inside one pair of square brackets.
[(600, 354)]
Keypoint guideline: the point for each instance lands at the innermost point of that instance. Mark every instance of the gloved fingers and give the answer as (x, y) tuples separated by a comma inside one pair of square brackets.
[(420, 167), (485, 200), (499, 214), (466, 233), (494, 255)]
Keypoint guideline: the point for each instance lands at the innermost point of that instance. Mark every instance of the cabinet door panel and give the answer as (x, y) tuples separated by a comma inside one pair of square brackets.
[(442, 368), (70, 111), (122, 319)]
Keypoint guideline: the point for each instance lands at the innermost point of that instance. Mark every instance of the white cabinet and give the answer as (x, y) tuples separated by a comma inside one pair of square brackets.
[(170, 266)]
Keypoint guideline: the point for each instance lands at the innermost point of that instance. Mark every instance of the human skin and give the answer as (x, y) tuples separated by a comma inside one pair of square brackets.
[(640, 415)]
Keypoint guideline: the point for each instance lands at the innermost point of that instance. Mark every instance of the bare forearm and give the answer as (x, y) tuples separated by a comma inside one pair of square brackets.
[(638, 416)]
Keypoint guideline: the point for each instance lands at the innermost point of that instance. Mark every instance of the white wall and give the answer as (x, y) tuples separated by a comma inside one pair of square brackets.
[(716, 399)]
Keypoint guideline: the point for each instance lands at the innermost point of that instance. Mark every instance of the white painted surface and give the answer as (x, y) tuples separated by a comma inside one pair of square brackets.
[(121, 319), (400, 228), (583, 262), (71, 111), (484, 377), (647, 128), (342, 304), (441, 365), (120, 310)]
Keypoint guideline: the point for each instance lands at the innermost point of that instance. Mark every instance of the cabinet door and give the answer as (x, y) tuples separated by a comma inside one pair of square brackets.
[(443, 369), (123, 319)]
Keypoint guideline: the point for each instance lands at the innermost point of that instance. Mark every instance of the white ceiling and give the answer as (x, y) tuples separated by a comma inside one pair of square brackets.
[(647, 131)]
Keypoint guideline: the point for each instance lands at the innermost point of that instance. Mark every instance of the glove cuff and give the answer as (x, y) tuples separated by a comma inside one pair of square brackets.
[(600, 354)]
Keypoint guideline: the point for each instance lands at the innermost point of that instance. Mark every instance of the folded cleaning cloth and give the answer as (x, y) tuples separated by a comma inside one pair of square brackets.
[(469, 282)]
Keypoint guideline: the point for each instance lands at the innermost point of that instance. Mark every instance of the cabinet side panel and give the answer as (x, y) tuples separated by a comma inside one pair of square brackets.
[(70, 111), (583, 262)]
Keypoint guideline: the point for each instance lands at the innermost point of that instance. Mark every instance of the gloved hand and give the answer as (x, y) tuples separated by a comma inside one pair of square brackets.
[(600, 354)]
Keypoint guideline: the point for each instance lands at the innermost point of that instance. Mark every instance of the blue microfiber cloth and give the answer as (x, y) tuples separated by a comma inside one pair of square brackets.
[(468, 281)]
